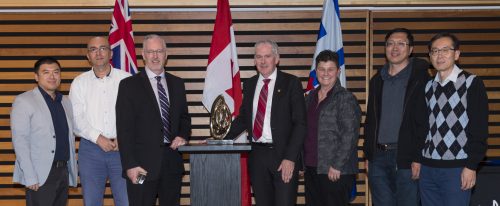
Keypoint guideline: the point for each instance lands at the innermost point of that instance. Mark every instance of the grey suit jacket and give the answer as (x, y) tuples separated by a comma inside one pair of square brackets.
[(33, 138)]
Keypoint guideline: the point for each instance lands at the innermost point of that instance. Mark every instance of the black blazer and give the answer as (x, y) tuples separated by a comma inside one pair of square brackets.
[(288, 115), (139, 126)]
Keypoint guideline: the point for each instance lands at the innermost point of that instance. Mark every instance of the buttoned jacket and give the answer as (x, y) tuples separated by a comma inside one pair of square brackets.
[(33, 137)]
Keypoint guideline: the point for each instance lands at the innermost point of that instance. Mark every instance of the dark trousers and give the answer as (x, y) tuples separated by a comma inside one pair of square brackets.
[(167, 188), (321, 191), (268, 187), (54, 191)]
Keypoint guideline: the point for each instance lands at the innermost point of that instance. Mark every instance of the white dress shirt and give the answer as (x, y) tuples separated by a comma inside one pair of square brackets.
[(452, 77), (153, 81), (267, 136), (94, 101)]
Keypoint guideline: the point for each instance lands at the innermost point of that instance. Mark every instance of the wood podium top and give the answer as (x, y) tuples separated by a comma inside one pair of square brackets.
[(213, 148)]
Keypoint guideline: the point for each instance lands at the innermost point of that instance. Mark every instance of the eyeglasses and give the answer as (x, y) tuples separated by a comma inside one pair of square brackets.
[(399, 44), (443, 51), (100, 49), (151, 52)]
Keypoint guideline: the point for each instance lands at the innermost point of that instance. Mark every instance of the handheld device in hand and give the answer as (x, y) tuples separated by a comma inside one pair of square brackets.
[(141, 178)]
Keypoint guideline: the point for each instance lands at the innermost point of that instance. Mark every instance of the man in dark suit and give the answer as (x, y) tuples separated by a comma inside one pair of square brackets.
[(152, 122), (273, 113)]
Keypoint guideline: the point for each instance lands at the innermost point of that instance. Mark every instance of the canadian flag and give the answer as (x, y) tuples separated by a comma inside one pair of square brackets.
[(223, 72), (223, 77)]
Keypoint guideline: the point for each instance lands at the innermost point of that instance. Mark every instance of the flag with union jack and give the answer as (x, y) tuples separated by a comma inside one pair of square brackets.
[(121, 38)]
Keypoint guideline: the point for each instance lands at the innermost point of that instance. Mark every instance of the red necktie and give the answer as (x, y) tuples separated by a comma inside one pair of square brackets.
[(258, 123)]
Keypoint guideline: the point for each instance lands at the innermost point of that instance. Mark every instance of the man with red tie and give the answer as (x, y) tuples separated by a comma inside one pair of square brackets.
[(273, 114)]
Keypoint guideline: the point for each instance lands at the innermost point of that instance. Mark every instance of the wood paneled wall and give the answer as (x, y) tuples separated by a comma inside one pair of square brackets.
[(26, 37)]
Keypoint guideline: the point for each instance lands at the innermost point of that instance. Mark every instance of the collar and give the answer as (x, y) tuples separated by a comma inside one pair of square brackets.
[(107, 75), (152, 75), (315, 93), (384, 73), (271, 77), (336, 87), (452, 77), (47, 96)]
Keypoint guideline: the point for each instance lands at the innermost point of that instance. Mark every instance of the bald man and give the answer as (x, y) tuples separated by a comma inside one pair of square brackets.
[(93, 95)]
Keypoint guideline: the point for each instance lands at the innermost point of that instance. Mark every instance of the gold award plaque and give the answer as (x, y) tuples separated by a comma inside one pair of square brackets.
[(220, 118)]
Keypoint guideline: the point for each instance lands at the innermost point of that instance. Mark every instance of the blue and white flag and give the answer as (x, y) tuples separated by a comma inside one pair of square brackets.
[(329, 37)]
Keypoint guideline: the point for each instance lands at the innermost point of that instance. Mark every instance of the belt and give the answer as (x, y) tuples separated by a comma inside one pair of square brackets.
[(59, 163), (386, 147), (263, 145)]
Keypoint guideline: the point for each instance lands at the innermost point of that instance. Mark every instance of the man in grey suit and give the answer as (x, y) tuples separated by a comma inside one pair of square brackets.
[(41, 123)]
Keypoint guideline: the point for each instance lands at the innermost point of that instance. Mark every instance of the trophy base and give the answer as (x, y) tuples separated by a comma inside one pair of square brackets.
[(219, 141)]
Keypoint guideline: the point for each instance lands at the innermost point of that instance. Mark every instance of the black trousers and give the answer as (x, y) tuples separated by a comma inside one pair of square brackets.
[(167, 188), (268, 187), (54, 191), (321, 191)]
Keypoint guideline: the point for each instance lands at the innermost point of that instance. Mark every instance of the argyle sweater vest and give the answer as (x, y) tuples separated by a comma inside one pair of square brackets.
[(448, 118)]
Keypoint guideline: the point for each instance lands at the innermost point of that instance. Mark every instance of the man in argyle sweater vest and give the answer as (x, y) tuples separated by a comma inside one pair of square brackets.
[(457, 111)]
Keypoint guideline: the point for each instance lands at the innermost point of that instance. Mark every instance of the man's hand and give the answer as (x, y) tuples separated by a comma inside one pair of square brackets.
[(286, 168), (468, 178), (105, 144), (415, 170), (34, 187), (178, 141), (333, 174), (134, 172), (115, 140)]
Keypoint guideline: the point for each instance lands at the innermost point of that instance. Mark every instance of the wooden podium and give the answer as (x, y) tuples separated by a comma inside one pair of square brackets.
[(215, 174)]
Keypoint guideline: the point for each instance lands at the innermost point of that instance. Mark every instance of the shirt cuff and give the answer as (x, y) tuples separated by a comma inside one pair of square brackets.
[(31, 181), (94, 135)]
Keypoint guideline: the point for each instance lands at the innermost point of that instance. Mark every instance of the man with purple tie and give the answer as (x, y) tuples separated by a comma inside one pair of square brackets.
[(152, 122)]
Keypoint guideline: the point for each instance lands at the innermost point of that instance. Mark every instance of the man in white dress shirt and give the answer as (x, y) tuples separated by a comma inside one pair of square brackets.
[(93, 95)]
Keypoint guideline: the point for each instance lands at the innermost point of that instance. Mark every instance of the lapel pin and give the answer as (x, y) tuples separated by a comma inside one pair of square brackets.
[(279, 90)]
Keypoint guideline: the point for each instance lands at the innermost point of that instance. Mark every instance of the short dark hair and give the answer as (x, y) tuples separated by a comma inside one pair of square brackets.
[(454, 39), (45, 60), (327, 55), (409, 36)]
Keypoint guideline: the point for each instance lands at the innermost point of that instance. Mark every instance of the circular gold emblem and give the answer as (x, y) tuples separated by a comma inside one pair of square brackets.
[(220, 118)]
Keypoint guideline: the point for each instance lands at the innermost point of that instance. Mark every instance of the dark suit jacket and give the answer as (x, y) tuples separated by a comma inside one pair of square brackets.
[(411, 129), (139, 126), (288, 115)]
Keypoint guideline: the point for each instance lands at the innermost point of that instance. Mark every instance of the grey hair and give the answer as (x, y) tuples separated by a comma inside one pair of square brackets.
[(153, 36), (274, 45)]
